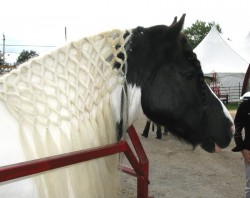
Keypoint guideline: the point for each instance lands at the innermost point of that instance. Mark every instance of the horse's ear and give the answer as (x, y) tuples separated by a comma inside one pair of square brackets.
[(176, 27), (174, 21)]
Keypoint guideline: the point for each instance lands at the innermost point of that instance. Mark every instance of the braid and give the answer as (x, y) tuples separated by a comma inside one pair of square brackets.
[(188, 52)]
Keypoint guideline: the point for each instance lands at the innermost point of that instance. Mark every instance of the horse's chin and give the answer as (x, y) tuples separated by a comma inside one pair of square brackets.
[(212, 148), (214, 144), (217, 149)]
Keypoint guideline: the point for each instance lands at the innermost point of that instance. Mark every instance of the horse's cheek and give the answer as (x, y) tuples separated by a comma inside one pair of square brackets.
[(153, 107)]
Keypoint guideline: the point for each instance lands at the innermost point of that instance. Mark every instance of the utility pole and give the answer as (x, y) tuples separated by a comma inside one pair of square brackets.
[(65, 33), (3, 48)]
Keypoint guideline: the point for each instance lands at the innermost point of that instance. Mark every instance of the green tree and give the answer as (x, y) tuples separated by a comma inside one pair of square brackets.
[(1, 59), (198, 31), (25, 55)]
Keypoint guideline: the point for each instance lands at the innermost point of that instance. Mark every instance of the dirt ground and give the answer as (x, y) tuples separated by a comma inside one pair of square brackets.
[(178, 171)]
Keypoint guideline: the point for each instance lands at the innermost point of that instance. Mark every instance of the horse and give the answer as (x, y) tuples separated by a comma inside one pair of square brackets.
[(158, 130), (88, 92)]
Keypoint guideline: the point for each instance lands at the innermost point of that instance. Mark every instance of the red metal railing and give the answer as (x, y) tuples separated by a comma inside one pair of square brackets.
[(139, 169)]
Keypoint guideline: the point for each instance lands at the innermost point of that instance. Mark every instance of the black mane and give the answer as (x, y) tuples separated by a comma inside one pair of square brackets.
[(147, 44)]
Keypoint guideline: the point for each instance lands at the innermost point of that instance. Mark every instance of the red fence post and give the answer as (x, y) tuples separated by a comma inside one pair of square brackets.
[(142, 181)]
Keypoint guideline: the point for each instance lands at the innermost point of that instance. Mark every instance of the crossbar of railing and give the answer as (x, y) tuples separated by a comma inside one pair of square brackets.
[(139, 167)]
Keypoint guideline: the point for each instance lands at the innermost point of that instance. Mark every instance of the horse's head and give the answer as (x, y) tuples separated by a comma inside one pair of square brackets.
[(173, 92)]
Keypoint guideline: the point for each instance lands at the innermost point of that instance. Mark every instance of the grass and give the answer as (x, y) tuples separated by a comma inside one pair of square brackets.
[(232, 105)]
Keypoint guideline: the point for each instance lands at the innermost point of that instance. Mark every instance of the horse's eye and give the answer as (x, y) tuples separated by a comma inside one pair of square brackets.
[(189, 75)]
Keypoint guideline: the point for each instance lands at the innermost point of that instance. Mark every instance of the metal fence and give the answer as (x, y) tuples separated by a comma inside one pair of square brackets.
[(233, 92)]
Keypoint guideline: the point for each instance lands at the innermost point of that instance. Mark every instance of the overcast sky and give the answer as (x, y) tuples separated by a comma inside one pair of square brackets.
[(33, 22)]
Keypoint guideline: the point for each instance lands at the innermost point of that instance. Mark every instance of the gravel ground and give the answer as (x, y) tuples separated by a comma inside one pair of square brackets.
[(178, 171)]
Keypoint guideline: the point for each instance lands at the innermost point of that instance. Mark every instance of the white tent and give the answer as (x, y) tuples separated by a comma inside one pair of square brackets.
[(217, 57), (244, 48)]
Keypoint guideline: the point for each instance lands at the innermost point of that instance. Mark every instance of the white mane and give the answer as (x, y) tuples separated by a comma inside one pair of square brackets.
[(61, 102)]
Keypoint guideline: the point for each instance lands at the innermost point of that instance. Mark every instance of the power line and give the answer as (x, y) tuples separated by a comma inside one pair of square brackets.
[(12, 45)]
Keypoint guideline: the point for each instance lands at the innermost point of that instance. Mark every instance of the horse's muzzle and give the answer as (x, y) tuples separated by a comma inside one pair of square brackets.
[(217, 149)]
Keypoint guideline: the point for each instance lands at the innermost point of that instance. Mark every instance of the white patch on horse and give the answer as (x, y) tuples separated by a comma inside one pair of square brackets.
[(226, 112), (134, 101)]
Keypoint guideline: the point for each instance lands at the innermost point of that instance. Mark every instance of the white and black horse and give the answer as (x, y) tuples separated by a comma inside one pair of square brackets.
[(166, 77), (163, 78)]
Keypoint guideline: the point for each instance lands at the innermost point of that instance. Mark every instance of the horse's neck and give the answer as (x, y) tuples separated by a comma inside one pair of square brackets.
[(126, 98)]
